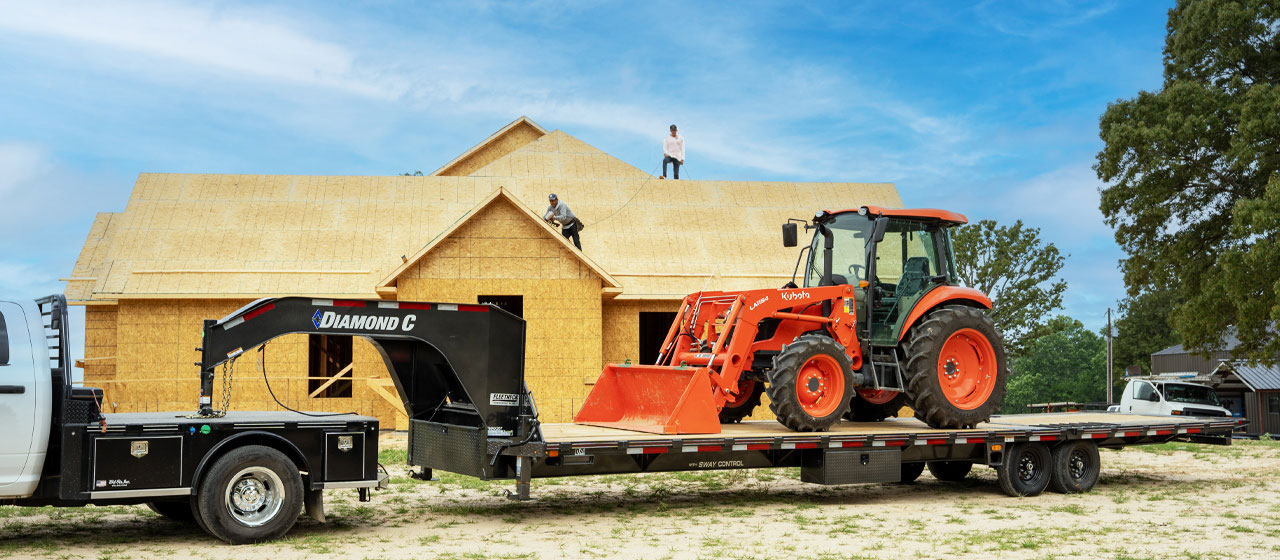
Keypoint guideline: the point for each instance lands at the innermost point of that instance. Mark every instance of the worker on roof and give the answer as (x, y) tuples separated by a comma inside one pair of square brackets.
[(672, 152), (570, 225)]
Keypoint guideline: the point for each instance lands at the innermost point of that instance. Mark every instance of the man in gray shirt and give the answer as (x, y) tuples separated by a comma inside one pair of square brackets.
[(569, 224)]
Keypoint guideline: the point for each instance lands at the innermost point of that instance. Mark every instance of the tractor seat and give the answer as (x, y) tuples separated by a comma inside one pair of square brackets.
[(915, 276)]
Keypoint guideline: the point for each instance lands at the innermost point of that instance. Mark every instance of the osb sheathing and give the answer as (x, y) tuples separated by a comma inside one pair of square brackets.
[(510, 138), (501, 251)]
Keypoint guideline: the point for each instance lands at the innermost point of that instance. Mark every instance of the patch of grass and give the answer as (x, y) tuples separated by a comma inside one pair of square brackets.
[(1074, 509)]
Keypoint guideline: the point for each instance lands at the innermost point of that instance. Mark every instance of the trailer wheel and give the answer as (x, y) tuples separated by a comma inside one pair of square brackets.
[(950, 471), (250, 495), (871, 405), (956, 367), (1026, 470), (1076, 466), (810, 384), (173, 510), (749, 391), (910, 472)]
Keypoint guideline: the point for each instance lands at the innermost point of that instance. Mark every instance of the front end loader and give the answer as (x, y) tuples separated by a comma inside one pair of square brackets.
[(877, 323)]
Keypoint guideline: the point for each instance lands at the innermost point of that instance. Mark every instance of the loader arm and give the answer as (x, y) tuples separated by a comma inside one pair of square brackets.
[(456, 362)]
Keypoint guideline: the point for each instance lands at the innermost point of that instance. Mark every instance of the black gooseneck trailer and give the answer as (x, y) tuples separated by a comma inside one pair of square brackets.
[(459, 369)]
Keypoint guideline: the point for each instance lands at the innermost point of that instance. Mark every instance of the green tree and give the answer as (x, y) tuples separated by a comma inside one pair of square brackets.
[(1016, 270), (1068, 364), (1141, 329), (1194, 175)]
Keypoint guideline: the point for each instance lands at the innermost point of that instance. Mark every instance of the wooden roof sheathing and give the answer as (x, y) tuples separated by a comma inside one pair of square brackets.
[(247, 236)]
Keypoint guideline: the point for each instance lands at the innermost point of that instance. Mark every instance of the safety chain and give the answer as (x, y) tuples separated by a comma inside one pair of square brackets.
[(228, 371)]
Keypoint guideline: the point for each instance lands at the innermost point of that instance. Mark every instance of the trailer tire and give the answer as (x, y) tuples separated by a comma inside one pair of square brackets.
[(956, 367), (950, 471), (862, 410), (173, 510), (749, 398), (810, 384), (1026, 470), (250, 495), (910, 472), (1076, 466)]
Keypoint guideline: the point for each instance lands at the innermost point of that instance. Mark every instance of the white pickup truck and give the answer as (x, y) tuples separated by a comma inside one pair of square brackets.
[(1156, 396)]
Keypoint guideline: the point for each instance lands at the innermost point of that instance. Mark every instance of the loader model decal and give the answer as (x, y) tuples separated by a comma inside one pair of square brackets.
[(332, 320)]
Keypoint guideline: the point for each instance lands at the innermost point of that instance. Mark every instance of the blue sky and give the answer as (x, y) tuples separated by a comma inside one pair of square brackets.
[(990, 109)]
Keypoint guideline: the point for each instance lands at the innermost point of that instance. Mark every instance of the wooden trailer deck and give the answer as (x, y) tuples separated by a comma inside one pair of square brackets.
[(1044, 426)]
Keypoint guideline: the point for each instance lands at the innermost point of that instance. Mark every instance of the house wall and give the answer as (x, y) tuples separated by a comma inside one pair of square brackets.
[(502, 252), (153, 343)]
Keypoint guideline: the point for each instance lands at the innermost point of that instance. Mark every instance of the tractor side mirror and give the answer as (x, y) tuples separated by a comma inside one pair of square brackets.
[(790, 235), (877, 231), (4, 343)]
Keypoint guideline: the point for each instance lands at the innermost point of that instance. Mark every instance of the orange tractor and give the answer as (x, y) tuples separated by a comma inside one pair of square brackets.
[(878, 324)]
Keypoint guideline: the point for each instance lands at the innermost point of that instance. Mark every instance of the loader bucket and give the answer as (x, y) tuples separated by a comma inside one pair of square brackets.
[(653, 399)]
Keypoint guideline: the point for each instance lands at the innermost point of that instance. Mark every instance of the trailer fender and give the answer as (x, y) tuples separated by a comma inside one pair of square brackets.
[(268, 439)]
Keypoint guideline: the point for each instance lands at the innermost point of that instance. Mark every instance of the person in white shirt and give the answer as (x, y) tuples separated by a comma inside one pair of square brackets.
[(672, 152), (559, 212)]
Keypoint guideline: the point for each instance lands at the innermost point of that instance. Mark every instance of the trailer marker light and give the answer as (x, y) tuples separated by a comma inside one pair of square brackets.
[(996, 447), (347, 303), (934, 441), (852, 444), (655, 450)]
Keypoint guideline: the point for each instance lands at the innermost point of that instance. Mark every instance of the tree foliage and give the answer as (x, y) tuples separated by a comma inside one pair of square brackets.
[(1141, 329), (1194, 175), (1016, 270), (1068, 364)]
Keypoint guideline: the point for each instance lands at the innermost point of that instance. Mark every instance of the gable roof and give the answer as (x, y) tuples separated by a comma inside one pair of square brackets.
[(500, 195), (248, 236), (1259, 377), (507, 139)]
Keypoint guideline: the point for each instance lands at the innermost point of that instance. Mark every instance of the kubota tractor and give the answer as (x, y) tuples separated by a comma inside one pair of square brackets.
[(878, 324)]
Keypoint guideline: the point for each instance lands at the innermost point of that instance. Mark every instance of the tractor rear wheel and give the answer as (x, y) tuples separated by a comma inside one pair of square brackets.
[(874, 405), (810, 384), (748, 398), (956, 367)]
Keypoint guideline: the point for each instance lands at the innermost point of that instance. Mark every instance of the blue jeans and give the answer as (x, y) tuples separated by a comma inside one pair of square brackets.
[(572, 233), (675, 164)]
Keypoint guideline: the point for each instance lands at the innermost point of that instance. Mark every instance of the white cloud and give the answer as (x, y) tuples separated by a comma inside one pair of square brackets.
[(1063, 203), (234, 41), (18, 164)]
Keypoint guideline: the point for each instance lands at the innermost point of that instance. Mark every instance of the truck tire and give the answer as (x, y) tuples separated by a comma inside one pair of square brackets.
[(810, 384), (869, 405), (173, 510), (956, 367), (950, 471), (910, 472), (250, 495), (749, 392), (1026, 470), (1076, 466)]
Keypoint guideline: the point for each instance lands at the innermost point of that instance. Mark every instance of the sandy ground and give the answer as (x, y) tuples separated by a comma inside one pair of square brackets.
[(1167, 501)]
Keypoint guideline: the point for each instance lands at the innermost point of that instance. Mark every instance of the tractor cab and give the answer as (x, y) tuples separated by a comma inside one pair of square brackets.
[(893, 256)]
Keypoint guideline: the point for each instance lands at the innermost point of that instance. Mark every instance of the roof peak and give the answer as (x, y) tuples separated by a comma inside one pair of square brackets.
[(507, 139)]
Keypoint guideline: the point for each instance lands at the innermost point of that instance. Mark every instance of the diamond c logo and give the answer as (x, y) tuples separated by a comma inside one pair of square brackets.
[(315, 319)]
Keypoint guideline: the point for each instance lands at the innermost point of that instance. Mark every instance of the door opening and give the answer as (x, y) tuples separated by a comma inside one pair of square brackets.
[(653, 331)]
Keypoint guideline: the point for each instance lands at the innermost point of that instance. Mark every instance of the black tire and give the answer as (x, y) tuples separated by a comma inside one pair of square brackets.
[(733, 413), (950, 471), (174, 510), (250, 495), (1076, 466), (862, 411), (784, 400), (1026, 470), (910, 472), (925, 389)]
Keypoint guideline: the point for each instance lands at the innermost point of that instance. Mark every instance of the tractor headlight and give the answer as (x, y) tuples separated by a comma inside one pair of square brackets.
[(862, 211)]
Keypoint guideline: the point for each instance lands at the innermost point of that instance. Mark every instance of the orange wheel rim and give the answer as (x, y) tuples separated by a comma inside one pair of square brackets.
[(877, 396), (967, 369), (745, 388), (820, 385)]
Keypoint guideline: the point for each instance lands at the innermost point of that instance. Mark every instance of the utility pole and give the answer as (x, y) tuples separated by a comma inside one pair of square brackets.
[(1110, 355)]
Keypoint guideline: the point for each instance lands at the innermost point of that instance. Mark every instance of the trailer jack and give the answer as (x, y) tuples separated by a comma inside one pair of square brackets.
[(524, 473)]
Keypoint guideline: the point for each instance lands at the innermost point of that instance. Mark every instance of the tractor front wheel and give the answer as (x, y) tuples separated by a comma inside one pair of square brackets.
[(746, 401), (956, 367), (811, 383)]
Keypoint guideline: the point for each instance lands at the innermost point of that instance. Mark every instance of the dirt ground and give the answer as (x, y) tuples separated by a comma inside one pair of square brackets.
[(1167, 501)]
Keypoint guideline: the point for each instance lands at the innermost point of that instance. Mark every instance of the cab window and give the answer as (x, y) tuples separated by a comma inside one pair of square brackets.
[(1142, 391), (4, 342), (849, 253)]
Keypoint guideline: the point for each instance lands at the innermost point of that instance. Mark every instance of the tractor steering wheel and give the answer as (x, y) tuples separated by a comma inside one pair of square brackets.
[(857, 270)]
